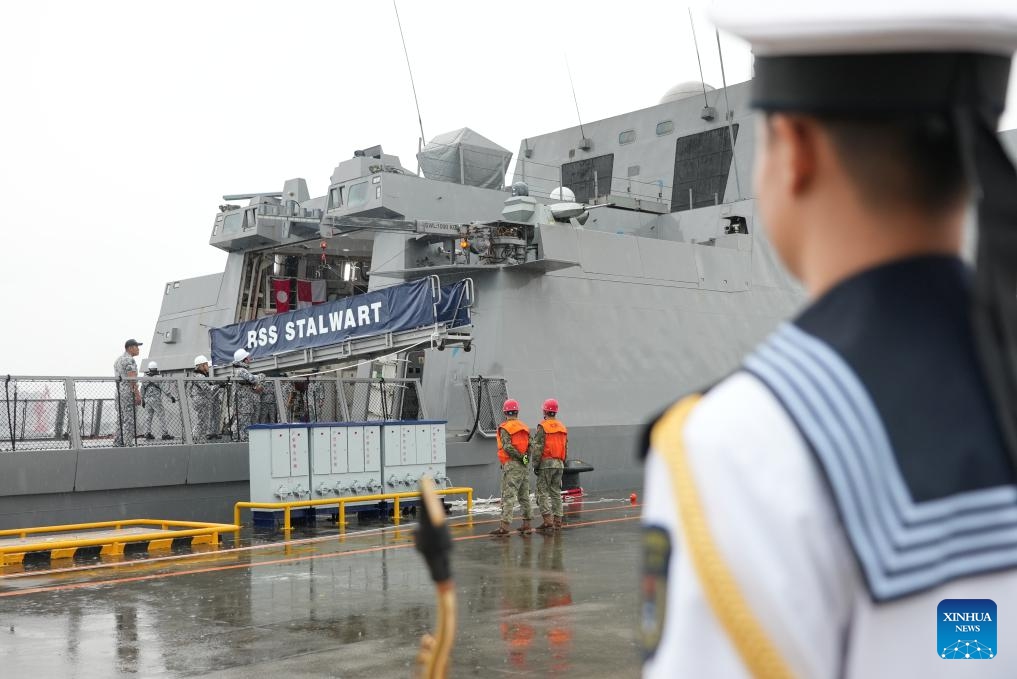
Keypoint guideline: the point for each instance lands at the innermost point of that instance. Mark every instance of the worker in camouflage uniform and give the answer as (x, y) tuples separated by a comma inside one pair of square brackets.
[(128, 394), (151, 400), (513, 454), (297, 401), (247, 388), (206, 403), (267, 412), (550, 447)]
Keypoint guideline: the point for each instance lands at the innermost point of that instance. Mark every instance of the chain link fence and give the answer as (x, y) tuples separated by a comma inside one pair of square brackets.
[(370, 400), (33, 415), (47, 413), (487, 395)]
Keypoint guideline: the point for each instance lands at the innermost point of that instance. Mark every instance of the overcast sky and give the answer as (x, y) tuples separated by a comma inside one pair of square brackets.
[(122, 124)]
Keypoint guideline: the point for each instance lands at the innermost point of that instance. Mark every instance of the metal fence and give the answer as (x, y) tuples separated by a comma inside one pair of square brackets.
[(487, 395), (53, 413)]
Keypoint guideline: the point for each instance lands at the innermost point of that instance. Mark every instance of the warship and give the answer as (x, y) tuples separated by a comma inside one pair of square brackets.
[(620, 265)]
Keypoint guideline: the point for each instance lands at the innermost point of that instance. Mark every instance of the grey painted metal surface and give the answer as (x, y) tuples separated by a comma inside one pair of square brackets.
[(190, 502)]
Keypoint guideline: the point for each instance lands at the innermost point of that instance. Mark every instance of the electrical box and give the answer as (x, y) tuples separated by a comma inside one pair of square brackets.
[(344, 460), (413, 449), (279, 459), (340, 459)]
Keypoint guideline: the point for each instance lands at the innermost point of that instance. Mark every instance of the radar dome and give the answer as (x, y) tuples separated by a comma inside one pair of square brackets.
[(685, 90), (564, 194)]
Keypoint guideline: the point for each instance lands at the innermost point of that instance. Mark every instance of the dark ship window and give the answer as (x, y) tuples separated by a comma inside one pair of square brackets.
[(627, 137), (702, 163), (665, 127), (335, 198), (589, 178)]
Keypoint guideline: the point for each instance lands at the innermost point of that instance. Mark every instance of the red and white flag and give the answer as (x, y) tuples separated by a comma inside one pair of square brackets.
[(281, 294), (303, 294), (310, 292)]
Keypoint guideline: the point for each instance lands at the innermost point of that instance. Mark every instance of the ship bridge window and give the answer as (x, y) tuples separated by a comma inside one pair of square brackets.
[(233, 222), (589, 178), (335, 197), (358, 195), (627, 137), (702, 163), (665, 127)]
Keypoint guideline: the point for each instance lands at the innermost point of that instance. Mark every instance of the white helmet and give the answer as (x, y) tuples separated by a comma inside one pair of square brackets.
[(199, 359), (240, 354), (152, 365)]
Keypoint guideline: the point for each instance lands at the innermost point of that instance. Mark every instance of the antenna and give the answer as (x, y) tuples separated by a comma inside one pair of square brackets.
[(702, 80), (410, 69), (728, 116), (574, 97)]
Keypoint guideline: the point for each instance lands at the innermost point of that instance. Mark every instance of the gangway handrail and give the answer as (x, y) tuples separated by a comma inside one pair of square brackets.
[(341, 502)]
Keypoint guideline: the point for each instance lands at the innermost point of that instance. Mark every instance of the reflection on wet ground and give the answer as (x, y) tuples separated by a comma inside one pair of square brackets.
[(331, 605)]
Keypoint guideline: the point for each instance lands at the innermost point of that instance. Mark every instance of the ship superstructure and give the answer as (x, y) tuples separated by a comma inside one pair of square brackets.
[(629, 267)]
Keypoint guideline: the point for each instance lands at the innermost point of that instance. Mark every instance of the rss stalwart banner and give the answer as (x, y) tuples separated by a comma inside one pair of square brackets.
[(392, 309)]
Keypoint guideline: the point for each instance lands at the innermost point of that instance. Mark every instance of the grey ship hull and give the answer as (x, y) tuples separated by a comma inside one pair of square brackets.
[(647, 300)]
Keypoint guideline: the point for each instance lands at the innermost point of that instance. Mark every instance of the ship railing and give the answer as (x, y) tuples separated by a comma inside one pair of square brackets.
[(487, 395), (40, 413)]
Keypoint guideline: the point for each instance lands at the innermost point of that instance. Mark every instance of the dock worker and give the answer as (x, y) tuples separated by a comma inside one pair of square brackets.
[(549, 450), (152, 394), (247, 392), (297, 401), (813, 513), (205, 401), (125, 370), (513, 454)]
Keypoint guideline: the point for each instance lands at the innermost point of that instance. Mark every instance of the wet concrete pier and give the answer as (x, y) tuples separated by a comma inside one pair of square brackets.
[(326, 604)]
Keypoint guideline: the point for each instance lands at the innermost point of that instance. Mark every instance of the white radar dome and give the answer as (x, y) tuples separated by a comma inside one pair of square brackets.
[(563, 194), (685, 90)]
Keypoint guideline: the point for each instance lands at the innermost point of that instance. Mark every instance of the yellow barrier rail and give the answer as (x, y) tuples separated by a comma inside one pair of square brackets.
[(341, 502), (111, 544)]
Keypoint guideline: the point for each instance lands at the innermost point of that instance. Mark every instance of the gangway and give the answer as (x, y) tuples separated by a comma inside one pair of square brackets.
[(440, 320), (365, 348)]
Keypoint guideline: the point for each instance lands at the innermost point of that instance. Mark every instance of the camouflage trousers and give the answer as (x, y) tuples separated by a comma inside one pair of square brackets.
[(549, 488), (206, 418), (515, 487), (124, 434), (155, 411)]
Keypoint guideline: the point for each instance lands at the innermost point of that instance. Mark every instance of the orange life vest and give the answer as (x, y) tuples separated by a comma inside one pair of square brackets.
[(519, 433), (555, 436)]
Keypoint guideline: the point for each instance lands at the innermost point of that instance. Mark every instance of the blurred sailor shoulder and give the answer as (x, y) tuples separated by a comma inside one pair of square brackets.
[(811, 514)]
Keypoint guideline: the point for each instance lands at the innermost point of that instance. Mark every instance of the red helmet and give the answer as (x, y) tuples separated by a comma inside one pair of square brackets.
[(511, 405), (551, 405)]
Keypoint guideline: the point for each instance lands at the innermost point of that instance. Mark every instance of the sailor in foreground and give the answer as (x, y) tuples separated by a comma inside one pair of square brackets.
[(845, 504)]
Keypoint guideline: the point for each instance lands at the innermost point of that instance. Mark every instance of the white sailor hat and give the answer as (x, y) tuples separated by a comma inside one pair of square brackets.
[(869, 58)]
